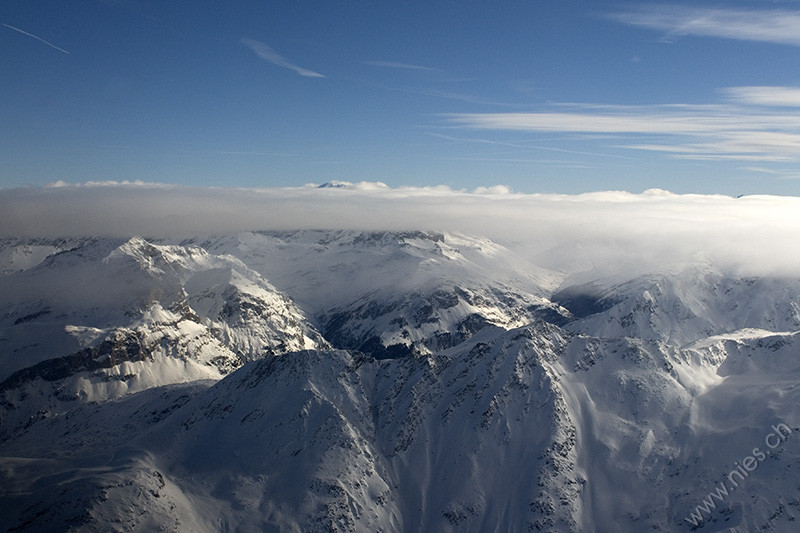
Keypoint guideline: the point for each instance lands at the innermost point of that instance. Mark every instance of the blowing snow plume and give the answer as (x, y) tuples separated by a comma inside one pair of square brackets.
[(602, 230)]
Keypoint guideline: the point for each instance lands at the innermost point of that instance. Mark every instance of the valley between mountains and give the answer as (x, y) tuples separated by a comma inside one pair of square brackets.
[(389, 381)]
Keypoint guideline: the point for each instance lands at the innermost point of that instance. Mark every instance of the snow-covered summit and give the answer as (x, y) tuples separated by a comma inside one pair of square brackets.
[(388, 293), (163, 294)]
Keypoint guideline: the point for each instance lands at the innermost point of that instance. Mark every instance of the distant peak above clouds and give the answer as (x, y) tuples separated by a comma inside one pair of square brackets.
[(360, 186)]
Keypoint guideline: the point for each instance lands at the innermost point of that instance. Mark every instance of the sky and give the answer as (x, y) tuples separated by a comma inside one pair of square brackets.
[(562, 97)]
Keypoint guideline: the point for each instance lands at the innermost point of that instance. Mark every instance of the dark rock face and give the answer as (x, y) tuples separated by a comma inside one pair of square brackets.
[(583, 300), (427, 322), (124, 346)]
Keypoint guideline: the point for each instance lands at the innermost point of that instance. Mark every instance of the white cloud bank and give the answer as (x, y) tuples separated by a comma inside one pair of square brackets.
[(756, 234)]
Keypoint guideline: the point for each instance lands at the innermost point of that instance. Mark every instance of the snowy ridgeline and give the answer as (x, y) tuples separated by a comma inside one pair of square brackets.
[(350, 381)]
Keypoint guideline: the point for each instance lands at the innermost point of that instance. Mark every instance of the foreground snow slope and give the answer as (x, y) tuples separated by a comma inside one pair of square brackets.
[(521, 400)]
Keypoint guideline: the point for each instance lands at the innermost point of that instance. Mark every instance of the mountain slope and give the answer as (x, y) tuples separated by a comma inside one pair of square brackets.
[(416, 292), (331, 440), (535, 428), (477, 392), (682, 306), (167, 300)]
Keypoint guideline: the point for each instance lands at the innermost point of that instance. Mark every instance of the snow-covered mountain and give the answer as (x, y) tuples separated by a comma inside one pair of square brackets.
[(391, 294), (103, 303), (392, 381), (683, 305)]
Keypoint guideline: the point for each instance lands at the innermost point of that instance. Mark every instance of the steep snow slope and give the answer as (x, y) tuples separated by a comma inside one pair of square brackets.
[(22, 254), (81, 470), (534, 428), (318, 268), (416, 292), (682, 306), (333, 440), (167, 300)]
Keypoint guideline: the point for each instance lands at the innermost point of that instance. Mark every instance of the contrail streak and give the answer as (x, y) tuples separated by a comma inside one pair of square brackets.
[(51, 45), (268, 54)]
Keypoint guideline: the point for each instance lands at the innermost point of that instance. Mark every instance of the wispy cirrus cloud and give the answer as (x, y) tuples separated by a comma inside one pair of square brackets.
[(737, 146), (784, 174), (765, 96), (394, 64), (23, 32), (605, 119), (271, 56), (779, 26), (752, 126)]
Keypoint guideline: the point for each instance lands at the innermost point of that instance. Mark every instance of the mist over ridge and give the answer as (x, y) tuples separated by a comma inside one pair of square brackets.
[(605, 230)]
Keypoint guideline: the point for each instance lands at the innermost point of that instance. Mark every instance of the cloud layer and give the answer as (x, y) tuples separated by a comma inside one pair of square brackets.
[(756, 234)]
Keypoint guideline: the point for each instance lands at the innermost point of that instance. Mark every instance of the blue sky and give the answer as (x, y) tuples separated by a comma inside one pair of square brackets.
[(540, 96)]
